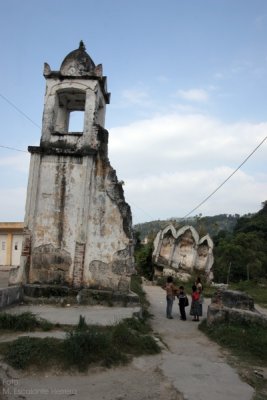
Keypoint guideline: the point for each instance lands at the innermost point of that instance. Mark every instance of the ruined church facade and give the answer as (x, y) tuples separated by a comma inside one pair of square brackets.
[(78, 227), (181, 253)]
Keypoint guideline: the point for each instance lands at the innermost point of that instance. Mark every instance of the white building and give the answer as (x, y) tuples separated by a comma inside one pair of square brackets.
[(11, 234)]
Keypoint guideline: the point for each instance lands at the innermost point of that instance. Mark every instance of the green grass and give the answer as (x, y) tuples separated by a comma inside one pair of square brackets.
[(247, 341), (26, 351), (258, 291), (247, 345), (82, 348), (136, 287), (26, 321), (84, 345), (132, 337)]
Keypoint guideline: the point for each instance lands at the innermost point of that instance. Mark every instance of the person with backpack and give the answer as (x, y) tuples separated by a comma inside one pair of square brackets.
[(183, 302)]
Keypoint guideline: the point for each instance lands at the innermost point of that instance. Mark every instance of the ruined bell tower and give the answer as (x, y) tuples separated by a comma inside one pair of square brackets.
[(78, 227)]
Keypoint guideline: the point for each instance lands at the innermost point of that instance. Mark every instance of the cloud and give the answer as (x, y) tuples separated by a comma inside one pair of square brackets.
[(176, 194), (136, 97), (12, 204), (183, 140), (13, 176), (198, 95), (171, 163), (17, 162)]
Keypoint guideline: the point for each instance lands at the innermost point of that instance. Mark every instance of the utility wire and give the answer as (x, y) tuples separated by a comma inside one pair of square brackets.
[(20, 111), (194, 209), (24, 115), (141, 209), (207, 198), (13, 148), (227, 179)]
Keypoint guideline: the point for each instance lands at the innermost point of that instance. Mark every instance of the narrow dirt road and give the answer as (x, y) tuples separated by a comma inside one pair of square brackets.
[(194, 365), (190, 367)]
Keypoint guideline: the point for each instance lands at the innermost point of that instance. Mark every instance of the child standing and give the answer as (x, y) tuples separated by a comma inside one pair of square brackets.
[(199, 286), (182, 303), (195, 310)]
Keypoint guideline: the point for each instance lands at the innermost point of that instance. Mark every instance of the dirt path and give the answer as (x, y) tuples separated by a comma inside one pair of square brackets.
[(194, 365), (191, 368)]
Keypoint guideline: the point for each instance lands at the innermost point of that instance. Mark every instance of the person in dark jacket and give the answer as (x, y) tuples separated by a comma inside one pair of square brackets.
[(182, 303)]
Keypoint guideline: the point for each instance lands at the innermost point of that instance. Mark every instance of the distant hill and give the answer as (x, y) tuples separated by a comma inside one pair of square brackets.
[(240, 244), (212, 225)]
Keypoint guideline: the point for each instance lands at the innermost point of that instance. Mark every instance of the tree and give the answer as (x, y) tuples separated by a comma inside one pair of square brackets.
[(245, 249), (143, 260)]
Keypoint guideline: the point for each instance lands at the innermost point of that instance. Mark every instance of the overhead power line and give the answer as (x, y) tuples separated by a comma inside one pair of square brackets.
[(13, 148), (19, 110), (141, 209), (227, 179), (194, 209)]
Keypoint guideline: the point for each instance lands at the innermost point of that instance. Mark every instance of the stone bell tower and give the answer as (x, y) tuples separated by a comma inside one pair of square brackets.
[(78, 227)]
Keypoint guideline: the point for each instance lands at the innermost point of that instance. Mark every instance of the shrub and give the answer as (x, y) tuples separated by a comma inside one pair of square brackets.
[(82, 348), (248, 341), (82, 325), (136, 287), (137, 324), (26, 321), (124, 337), (27, 350), (45, 325), (21, 322), (254, 289), (127, 334)]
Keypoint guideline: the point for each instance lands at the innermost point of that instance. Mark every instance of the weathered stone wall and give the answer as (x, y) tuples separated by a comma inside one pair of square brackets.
[(78, 224), (10, 296), (81, 215), (180, 253), (233, 306)]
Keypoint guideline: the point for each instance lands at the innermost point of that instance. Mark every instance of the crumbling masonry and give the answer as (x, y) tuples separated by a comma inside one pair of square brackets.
[(78, 227), (182, 253)]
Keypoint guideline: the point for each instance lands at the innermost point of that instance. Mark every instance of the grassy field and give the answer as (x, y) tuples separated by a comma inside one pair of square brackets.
[(83, 345), (24, 322), (246, 343), (247, 351), (258, 291)]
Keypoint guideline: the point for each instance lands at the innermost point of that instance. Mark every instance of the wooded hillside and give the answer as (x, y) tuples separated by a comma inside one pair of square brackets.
[(212, 225), (240, 243), (242, 253)]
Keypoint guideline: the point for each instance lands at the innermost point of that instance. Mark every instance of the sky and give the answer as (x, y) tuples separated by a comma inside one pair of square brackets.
[(188, 83)]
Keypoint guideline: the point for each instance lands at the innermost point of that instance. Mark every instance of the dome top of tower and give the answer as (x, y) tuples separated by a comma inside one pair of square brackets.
[(77, 63)]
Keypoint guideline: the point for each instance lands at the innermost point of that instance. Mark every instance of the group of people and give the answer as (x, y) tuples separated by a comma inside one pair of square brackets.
[(197, 299)]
